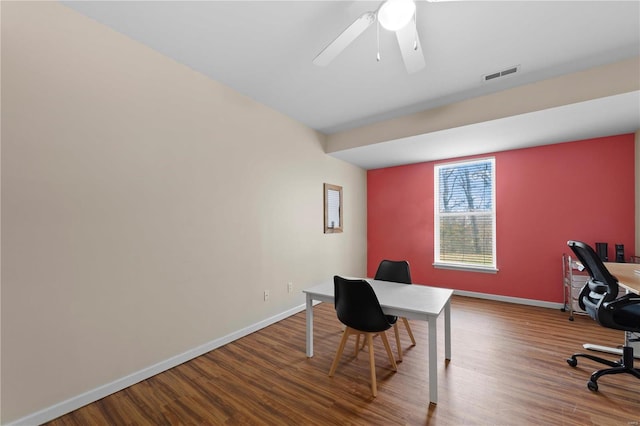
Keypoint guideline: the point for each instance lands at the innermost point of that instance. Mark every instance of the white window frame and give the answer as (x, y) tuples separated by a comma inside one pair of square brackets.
[(439, 263)]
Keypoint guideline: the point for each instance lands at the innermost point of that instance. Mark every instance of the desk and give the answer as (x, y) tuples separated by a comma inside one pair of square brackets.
[(630, 281), (416, 302), (626, 275)]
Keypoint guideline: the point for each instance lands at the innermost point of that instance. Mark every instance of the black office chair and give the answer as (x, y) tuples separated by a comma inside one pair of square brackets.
[(599, 298), (358, 308), (397, 271)]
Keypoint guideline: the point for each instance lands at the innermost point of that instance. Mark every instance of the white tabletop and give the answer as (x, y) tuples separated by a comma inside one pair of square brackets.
[(410, 301)]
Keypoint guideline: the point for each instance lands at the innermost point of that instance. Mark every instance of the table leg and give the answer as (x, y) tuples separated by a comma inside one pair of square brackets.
[(309, 315), (433, 360), (447, 330)]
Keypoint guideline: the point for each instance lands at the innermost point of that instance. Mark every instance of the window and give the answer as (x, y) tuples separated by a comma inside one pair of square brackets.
[(465, 215)]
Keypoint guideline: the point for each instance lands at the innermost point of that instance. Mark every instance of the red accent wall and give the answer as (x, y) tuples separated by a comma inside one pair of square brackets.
[(545, 196)]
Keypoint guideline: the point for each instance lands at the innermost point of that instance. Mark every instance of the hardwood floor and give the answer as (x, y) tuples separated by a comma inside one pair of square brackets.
[(508, 368)]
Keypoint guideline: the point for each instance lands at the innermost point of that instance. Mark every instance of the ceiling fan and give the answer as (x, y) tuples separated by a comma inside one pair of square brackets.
[(393, 15)]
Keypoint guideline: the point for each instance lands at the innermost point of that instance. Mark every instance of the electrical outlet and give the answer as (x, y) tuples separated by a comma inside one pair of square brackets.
[(290, 287), (266, 295)]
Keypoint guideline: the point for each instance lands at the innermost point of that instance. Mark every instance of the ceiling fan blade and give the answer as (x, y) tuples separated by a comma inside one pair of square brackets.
[(343, 40), (409, 43)]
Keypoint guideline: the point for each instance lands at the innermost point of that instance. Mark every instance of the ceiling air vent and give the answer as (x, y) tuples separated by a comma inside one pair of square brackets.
[(498, 74)]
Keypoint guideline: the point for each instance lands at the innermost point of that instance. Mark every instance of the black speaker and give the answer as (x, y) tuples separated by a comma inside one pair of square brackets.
[(620, 253), (603, 251)]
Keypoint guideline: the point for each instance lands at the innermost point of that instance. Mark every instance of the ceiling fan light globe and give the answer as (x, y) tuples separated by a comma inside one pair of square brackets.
[(396, 14)]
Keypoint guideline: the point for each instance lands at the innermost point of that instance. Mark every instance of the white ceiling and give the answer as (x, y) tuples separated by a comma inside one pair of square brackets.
[(264, 49)]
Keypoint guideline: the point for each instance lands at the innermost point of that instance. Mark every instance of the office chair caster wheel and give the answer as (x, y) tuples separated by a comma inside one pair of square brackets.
[(593, 386), (572, 362)]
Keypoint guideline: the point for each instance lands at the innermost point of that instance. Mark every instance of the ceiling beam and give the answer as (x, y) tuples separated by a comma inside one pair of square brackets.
[(607, 80)]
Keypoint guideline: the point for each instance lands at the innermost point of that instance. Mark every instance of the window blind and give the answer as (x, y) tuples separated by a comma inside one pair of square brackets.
[(465, 213)]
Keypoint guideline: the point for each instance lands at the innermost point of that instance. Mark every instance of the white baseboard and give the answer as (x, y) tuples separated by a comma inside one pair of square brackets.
[(100, 392), (509, 299)]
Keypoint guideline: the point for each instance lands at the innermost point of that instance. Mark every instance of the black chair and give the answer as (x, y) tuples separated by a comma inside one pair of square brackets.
[(358, 308), (397, 271), (599, 298)]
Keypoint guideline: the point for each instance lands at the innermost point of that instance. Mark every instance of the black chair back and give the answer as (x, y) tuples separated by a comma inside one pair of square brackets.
[(357, 305), (397, 271), (602, 286)]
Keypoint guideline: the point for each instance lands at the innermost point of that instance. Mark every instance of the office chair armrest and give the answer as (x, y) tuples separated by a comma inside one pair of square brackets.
[(585, 291), (627, 299)]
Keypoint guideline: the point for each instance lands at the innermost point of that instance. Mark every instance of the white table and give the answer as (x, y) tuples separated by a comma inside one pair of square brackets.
[(416, 302)]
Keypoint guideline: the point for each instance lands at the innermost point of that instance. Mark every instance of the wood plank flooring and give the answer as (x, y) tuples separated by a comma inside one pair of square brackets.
[(508, 368)]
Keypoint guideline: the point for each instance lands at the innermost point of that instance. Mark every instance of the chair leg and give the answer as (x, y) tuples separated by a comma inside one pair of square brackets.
[(573, 360), (357, 345), (364, 341), (345, 336), (398, 345), (606, 371), (372, 365), (625, 365), (406, 324), (385, 341)]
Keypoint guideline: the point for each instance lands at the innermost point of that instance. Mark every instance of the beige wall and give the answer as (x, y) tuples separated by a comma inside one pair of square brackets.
[(145, 208)]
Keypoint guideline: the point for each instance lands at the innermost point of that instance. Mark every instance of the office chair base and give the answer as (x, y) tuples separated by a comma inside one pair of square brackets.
[(625, 365)]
